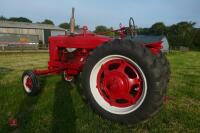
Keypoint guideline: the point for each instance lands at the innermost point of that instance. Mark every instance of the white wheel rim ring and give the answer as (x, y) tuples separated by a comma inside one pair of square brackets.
[(27, 89), (101, 101), (65, 75)]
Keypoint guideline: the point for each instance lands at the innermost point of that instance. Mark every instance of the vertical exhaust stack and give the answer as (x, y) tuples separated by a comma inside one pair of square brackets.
[(72, 21)]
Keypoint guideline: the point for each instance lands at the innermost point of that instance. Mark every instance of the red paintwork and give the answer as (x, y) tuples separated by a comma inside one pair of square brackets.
[(119, 80), (12, 122), (59, 56), (155, 47), (84, 43)]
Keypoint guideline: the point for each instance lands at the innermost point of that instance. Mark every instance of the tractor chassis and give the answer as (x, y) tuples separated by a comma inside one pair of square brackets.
[(61, 60)]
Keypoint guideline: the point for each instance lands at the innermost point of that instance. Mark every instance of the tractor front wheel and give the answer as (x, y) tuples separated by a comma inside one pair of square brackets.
[(122, 81), (30, 83), (66, 78)]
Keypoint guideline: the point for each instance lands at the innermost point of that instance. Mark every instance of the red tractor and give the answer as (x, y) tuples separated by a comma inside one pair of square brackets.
[(122, 80)]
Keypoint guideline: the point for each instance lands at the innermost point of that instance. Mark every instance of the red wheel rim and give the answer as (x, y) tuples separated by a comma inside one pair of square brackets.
[(119, 83), (67, 77), (29, 83)]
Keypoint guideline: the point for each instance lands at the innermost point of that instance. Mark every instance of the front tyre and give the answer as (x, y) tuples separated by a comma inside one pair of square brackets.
[(66, 78), (30, 83), (121, 81)]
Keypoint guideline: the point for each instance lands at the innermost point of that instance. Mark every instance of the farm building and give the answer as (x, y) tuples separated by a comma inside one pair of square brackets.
[(27, 33)]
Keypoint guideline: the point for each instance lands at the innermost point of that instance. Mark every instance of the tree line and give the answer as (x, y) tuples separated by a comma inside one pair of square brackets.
[(180, 34), (23, 19), (46, 21)]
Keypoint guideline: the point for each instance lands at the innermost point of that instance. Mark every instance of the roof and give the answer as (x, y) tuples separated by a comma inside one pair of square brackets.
[(148, 38), (11, 24)]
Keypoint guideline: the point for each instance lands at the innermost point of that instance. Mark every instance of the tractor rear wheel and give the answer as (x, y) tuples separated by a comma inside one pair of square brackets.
[(122, 81), (30, 83), (166, 72), (165, 66)]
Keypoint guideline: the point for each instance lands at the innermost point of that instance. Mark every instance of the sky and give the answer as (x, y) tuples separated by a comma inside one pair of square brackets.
[(105, 12)]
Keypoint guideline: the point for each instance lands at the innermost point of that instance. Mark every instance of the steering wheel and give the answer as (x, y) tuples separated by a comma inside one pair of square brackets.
[(132, 26)]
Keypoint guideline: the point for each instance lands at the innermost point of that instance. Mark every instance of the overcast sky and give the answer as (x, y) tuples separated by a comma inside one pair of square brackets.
[(105, 12)]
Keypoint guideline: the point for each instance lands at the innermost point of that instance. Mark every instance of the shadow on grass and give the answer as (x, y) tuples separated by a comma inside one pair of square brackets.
[(26, 109), (79, 88), (63, 110)]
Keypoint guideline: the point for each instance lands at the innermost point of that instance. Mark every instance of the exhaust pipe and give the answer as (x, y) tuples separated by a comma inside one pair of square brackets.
[(72, 21)]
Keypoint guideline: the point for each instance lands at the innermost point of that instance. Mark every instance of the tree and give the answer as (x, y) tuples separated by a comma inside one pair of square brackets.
[(158, 28), (100, 29), (64, 25), (67, 26), (143, 31), (103, 29), (20, 19), (181, 34), (47, 21), (3, 18), (196, 40)]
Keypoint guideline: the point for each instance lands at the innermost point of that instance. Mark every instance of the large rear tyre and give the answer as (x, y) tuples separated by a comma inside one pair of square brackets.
[(122, 82), (165, 66), (166, 72)]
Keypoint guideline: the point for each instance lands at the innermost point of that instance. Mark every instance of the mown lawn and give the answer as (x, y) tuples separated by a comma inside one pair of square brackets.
[(60, 108)]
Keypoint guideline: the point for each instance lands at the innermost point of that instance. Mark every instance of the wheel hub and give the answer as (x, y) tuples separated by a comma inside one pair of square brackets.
[(116, 83), (29, 83), (119, 83)]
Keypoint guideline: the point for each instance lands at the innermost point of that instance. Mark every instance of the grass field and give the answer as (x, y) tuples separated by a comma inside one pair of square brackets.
[(60, 108)]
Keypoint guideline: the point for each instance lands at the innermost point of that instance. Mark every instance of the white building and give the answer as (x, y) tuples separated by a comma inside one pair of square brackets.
[(21, 32)]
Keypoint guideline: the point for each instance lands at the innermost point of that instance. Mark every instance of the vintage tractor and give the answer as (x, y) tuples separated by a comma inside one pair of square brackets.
[(122, 80)]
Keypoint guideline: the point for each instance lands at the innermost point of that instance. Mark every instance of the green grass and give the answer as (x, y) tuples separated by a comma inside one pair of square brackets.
[(60, 108)]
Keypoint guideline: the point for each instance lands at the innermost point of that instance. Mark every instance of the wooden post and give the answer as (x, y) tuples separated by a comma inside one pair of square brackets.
[(72, 22)]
